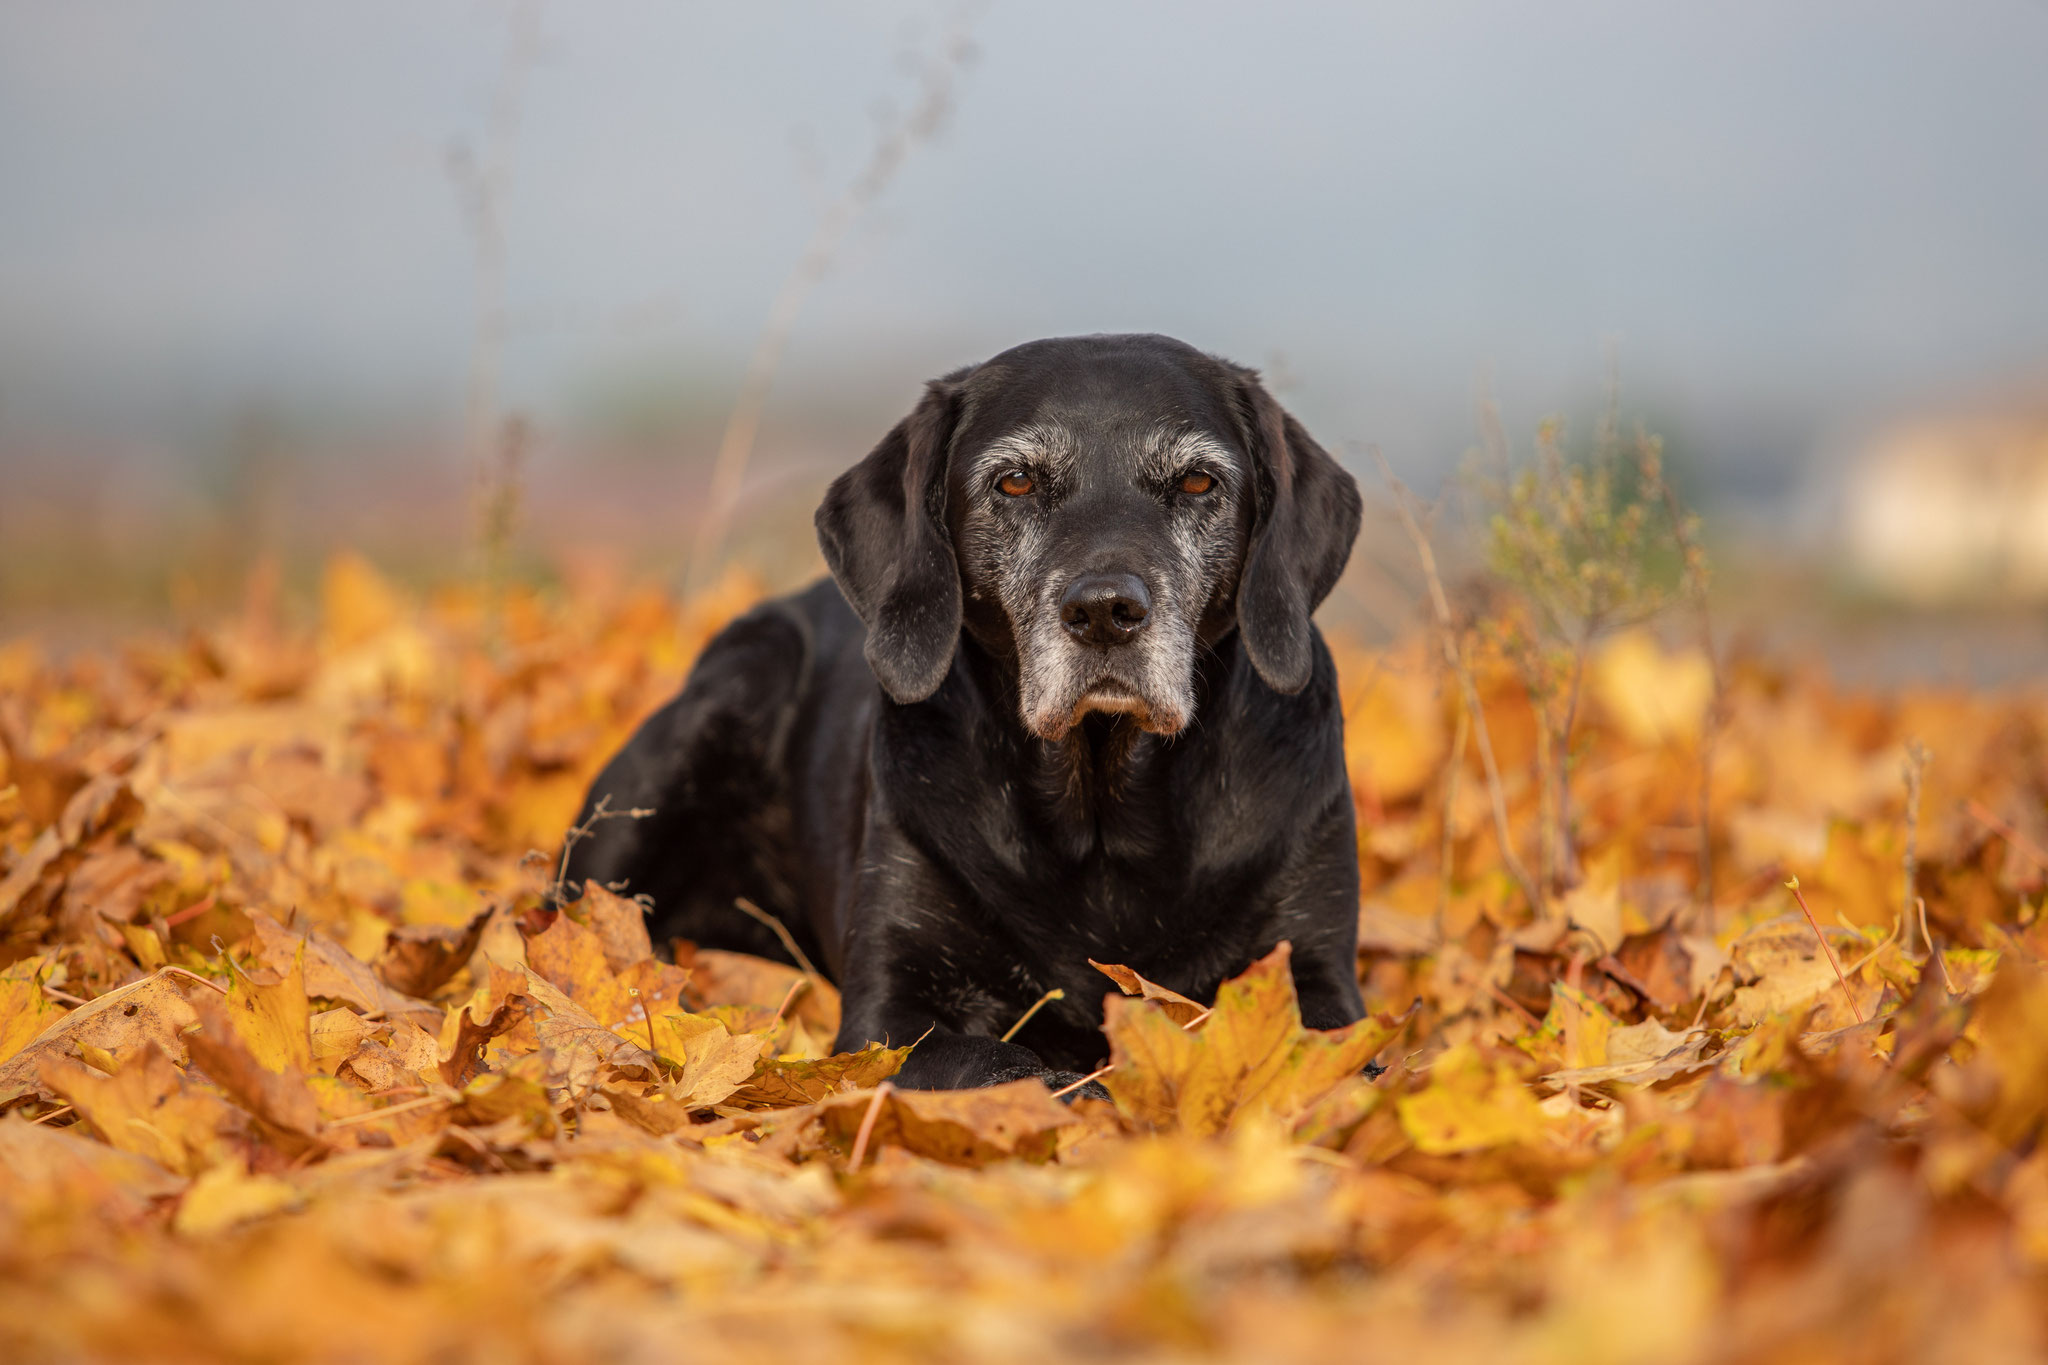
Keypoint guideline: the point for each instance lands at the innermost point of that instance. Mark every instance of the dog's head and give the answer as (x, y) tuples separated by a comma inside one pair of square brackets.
[(1097, 509)]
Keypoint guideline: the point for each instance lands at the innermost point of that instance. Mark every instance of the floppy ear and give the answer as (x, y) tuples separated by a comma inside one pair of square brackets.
[(1306, 511), (882, 527)]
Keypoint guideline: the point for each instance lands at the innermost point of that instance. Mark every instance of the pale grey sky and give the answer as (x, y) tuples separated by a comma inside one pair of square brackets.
[(1792, 216)]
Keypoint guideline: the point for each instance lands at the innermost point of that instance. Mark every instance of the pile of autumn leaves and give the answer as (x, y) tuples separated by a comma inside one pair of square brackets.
[(298, 1066)]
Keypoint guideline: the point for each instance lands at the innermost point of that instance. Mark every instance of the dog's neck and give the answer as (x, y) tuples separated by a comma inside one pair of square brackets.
[(1099, 769)]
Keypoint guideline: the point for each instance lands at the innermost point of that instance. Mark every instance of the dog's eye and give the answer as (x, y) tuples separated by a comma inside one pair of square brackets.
[(1197, 483), (1016, 483)]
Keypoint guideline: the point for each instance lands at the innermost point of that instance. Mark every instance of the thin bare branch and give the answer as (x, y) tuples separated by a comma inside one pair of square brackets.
[(1454, 659)]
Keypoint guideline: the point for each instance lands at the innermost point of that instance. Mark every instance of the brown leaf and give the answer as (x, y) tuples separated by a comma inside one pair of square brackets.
[(419, 959), (572, 957), (580, 1042), (620, 925), (778, 1084), (122, 1022), (1176, 1006), (331, 971), (959, 1127), (102, 809)]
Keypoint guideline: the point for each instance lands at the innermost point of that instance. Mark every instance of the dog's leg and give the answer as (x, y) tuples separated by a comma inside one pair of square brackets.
[(1320, 918)]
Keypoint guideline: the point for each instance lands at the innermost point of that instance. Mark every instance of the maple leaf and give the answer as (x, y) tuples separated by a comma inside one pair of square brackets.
[(1251, 1055), (257, 1047), (119, 1023), (419, 959), (1176, 1006), (1470, 1104), (574, 958), (25, 1007), (1019, 1119), (151, 1108), (620, 926), (228, 1195), (777, 1083)]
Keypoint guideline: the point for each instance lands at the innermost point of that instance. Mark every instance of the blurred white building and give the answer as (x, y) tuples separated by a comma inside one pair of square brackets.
[(1951, 510)]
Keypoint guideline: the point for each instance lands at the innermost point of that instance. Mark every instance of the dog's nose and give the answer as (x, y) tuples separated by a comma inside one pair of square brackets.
[(1105, 608)]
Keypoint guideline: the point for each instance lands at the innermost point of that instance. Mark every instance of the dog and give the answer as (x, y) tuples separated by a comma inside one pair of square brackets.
[(1061, 698)]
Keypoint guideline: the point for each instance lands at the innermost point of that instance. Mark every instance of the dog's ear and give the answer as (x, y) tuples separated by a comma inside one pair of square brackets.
[(882, 527), (1306, 511)]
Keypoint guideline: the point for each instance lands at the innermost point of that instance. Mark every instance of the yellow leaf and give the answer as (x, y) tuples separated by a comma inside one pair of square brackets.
[(273, 1017), (2011, 1028), (122, 1021), (228, 1195), (1653, 696), (710, 1062), (151, 1109), (1250, 1056), (356, 602), (336, 1034), (1470, 1105)]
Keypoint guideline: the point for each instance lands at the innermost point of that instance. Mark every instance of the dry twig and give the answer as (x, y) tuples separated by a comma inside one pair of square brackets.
[(1454, 659)]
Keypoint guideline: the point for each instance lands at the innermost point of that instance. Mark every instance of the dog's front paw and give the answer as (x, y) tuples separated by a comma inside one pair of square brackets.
[(1063, 1085)]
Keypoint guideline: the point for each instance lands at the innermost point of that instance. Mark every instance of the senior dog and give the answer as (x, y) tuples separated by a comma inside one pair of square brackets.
[(1061, 699)]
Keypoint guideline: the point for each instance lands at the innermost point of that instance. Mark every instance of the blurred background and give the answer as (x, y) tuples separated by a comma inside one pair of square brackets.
[(614, 288)]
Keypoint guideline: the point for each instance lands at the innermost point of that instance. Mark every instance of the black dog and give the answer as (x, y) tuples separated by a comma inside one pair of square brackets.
[(1061, 700)]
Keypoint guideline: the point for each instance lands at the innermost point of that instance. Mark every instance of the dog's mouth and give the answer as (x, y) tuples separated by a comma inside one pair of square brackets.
[(1112, 696)]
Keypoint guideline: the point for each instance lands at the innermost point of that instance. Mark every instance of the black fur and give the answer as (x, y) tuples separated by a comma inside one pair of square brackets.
[(944, 863)]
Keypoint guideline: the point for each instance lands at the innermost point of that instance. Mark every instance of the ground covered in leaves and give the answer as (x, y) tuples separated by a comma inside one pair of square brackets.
[(298, 1065)]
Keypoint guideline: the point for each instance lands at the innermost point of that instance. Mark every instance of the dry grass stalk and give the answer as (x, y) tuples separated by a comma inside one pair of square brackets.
[(1454, 660), (1685, 530), (867, 1126), (893, 144), (748, 908), (481, 185), (1915, 768), (1826, 948), (1054, 994)]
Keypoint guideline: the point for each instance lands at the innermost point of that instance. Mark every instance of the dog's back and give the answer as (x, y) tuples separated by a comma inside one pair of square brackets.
[(752, 775)]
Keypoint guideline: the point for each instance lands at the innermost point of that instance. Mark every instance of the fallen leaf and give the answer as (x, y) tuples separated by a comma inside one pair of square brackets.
[(337, 1034), (1019, 1119), (122, 1022), (228, 1196), (151, 1108), (271, 1083), (1470, 1104), (620, 926), (419, 959), (777, 1083), (53, 1173), (1250, 1056), (1176, 1006), (25, 1008), (707, 1062)]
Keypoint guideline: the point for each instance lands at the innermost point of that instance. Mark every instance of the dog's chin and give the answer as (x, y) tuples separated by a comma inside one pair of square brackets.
[(1107, 697)]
